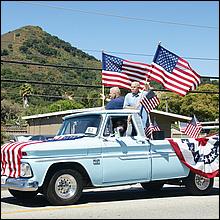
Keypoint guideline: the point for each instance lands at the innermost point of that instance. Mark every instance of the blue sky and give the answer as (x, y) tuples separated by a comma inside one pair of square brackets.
[(123, 28)]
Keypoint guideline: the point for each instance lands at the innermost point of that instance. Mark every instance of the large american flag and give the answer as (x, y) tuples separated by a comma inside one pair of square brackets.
[(120, 72), (173, 72), (193, 128), (150, 101), (201, 155)]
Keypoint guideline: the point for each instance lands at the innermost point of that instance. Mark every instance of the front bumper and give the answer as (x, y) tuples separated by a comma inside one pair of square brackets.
[(20, 184)]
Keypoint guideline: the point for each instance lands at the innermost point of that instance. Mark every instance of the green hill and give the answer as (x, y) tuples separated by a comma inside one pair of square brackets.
[(32, 44)]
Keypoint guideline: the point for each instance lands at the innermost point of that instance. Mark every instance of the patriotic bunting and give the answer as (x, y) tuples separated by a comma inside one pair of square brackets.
[(201, 155)]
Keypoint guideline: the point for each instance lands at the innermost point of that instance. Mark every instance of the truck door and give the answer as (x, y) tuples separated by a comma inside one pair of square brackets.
[(125, 158)]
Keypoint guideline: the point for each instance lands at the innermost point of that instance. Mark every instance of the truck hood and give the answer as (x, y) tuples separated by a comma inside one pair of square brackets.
[(76, 145), (12, 153)]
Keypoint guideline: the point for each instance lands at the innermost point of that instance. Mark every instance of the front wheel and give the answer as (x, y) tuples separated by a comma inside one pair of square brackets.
[(198, 185), (23, 195), (65, 187)]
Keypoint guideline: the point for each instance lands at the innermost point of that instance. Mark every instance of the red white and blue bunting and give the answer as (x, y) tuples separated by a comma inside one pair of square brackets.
[(201, 155)]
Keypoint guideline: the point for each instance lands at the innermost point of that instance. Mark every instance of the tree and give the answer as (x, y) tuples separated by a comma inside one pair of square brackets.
[(25, 91), (205, 106), (4, 52), (63, 105), (9, 111)]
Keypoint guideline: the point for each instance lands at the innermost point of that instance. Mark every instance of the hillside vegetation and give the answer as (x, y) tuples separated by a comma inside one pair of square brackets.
[(32, 44)]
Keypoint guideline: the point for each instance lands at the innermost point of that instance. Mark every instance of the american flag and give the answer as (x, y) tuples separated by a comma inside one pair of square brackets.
[(150, 128), (173, 72), (150, 101), (193, 128), (120, 72), (11, 155)]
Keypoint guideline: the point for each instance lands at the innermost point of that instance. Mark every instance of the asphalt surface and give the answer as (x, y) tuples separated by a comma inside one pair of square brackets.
[(121, 202)]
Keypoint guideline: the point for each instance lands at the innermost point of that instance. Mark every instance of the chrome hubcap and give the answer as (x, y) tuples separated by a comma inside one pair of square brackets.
[(65, 186), (202, 182)]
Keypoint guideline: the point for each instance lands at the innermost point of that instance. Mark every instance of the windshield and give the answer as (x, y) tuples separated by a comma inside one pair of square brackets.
[(88, 125)]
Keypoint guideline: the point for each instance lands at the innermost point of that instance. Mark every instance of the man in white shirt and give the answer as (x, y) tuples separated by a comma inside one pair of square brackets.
[(132, 99)]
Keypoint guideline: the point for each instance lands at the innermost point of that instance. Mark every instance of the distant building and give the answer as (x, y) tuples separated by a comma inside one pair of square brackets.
[(49, 123)]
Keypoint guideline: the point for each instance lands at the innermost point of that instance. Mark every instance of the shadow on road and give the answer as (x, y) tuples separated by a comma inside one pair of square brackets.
[(137, 193), (111, 195)]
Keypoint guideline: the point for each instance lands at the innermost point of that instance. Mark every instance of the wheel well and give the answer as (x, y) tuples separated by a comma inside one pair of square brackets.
[(63, 165)]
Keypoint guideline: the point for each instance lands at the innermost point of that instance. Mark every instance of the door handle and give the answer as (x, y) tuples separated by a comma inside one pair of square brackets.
[(140, 141)]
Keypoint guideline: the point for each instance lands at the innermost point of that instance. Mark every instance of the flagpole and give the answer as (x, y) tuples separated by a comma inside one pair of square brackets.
[(181, 133), (151, 135), (103, 90), (103, 96), (150, 122)]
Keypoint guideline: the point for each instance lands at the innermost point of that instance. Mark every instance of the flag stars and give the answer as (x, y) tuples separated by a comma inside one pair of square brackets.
[(113, 63), (206, 159), (167, 60)]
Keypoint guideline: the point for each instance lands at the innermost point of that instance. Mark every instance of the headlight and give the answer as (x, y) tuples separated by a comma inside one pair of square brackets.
[(26, 170)]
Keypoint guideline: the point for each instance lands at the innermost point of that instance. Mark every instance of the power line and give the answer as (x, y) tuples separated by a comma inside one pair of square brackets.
[(48, 65), (55, 96), (122, 17), (82, 85), (48, 83), (62, 97), (71, 67), (141, 54), (128, 53)]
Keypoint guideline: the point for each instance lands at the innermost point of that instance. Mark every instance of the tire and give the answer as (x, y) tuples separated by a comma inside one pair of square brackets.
[(153, 186), (23, 195), (65, 187), (198, 185)]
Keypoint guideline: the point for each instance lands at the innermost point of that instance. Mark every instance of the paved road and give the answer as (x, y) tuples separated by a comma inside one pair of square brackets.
[(130, 201)]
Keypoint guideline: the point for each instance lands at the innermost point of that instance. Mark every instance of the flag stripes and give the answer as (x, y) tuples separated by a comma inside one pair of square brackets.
[(119, 72), (150, 104), (193, 131), (11, 157), (193, 128), (150, 128), (150, 101), (169, 81)]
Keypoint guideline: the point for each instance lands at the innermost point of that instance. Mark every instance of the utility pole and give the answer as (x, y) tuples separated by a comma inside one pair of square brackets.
[(166, 103)]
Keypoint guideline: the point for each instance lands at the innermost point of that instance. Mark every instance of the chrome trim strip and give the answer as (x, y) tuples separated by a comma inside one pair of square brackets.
[(121, 156), (163, 154), (128, 157), (66, 158)]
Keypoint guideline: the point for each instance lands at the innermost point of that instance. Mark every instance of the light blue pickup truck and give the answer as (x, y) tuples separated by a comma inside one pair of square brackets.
[(94, 149)]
